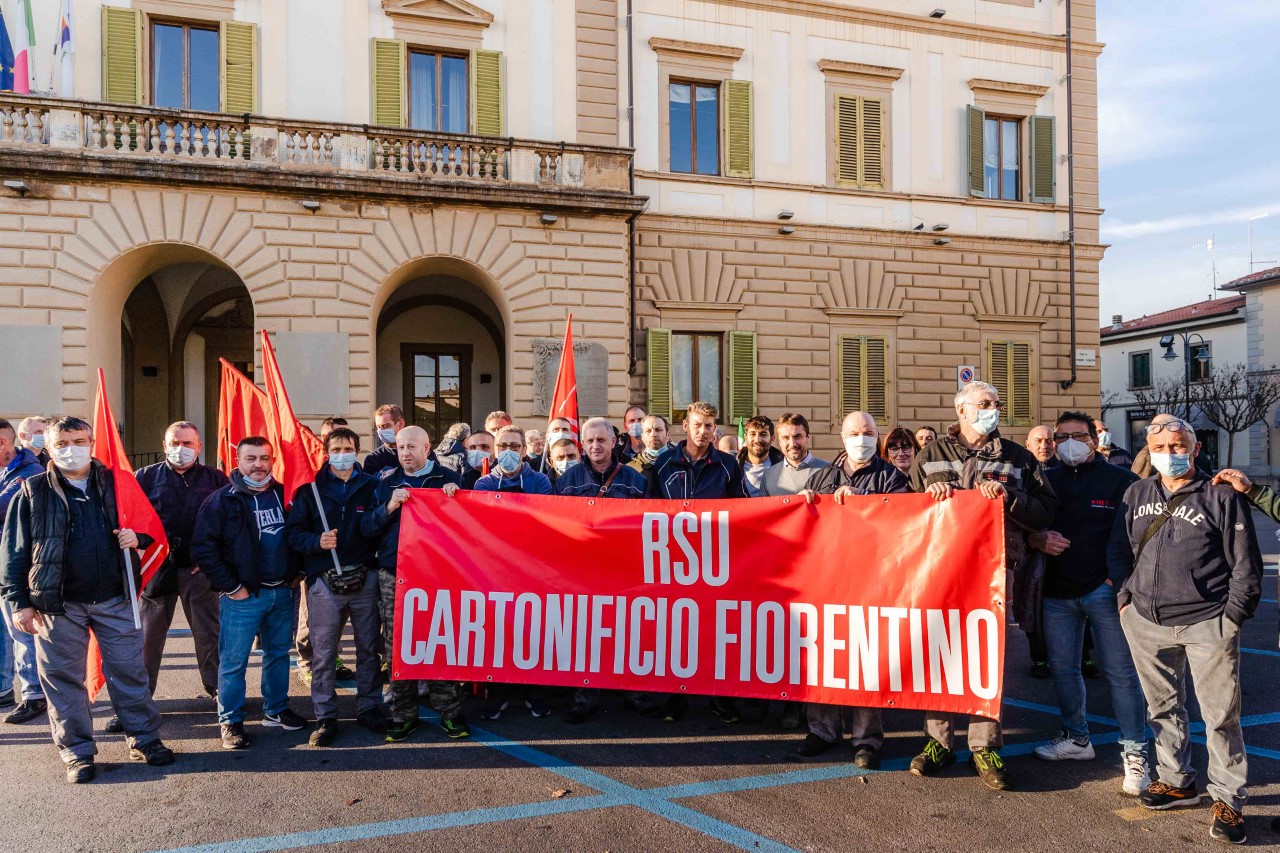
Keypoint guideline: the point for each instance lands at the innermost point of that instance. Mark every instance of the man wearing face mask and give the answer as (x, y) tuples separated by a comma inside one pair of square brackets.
[(177, 487), (31, 436), (510, 472), (653, 435), (388, 420), (64, 563), (417, 470), (1190, 573), (1078, 594), (16, 465), (972, 455), (632, 442), (859, 470), (240, 545), (335, 587), (563, 456), (479, 451), (1108, 449), (758, 455)]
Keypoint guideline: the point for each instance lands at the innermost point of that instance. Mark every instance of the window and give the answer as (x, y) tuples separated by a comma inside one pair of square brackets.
[(1009, 369), (1140, 369), (1001, 146), (437, 385), (185, 71), (695, 127), (864, 377), (1201, 370), (438, 84), (695, 371), (859, 142)]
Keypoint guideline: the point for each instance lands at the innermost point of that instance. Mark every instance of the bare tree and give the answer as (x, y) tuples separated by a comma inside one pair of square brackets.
[(1235, 398), (1165, 395), (1109, 402)]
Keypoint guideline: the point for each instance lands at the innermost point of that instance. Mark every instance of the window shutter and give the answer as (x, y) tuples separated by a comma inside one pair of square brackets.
[(742, 376), (737, 131), (850, 375), (846, 141), (659, 360), (388, 82), (1042, 159), (871, 144), (121, 55), (486, 93), (998, 373), (976, 118), (239, 44), (876, 379), (1020, 382)]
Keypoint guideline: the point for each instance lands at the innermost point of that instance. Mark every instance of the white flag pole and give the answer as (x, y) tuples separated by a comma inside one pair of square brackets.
[(324, 521)]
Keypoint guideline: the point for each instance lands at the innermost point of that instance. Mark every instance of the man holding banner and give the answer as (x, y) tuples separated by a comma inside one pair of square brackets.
[(65, 575)]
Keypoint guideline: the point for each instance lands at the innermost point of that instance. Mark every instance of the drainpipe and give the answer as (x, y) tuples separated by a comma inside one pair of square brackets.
[(1071, 210), (631, 220)]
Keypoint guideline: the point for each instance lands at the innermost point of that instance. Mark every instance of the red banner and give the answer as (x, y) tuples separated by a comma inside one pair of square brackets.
[(883, 601)]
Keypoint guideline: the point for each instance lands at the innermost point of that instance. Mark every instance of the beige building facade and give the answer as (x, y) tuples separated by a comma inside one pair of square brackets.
[(799, 205)]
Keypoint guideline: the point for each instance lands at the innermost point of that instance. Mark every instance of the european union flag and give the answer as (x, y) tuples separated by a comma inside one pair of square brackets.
[(6, 56)]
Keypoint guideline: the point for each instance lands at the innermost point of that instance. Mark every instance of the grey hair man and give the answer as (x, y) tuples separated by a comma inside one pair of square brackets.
[(31, 436)]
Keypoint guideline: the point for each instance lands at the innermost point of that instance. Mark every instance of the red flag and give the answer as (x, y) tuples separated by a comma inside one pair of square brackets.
[(298, 452), (564, 402), (134, 510), (242, 411)]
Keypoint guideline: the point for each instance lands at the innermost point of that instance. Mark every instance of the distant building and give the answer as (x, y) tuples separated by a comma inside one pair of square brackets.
[(1261, 295)]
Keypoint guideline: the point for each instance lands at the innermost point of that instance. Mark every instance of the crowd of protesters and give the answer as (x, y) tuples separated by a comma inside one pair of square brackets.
[(1143, 581)]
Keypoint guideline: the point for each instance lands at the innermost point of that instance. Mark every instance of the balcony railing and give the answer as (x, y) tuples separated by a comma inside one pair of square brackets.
[(181, 136)]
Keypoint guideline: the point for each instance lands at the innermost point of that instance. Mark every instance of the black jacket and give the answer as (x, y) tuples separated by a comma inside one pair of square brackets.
[(344, 505), (1203, 562), (177, 499), (1089, 498), (384, 527), (878, 477), (675, 477), (225, 538), (380, 460)]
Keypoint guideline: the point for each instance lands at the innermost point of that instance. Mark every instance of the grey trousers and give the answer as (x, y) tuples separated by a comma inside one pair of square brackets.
[(62, 646), (325, 617), (1162, 654), (200, 606), (867, 729), (302, 638)]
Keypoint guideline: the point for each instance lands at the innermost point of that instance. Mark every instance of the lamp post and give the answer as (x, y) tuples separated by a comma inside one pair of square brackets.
[(1202, 356)]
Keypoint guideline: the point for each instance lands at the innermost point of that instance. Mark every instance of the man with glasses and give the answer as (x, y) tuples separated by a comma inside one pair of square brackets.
[(1191, 574), (1078, 594), (972, 455)]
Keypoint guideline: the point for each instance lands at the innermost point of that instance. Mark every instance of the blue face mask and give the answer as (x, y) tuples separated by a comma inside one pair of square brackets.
[(257, 484), (475, 458), (388, 436), (342, 461), (37, 441), (509, 461), (1173, 465), (986, 421), (565, 464)]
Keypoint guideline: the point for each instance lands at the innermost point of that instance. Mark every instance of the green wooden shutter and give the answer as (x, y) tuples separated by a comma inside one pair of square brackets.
[(1020, 383), (659, 361), (1042, 160), (871, 144), (121, 55), (850, 375), (742, 376), (864, 376), (998, 373), (846, 147), (737, 131), (388, 60), (239, 43), (488, 113), (976, 119)]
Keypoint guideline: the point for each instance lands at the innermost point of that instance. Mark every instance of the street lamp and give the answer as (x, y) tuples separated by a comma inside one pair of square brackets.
[(1202, 356)]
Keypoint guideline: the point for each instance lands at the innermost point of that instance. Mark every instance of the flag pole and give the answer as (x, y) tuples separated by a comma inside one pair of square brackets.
[(324, 521), (130, 556)]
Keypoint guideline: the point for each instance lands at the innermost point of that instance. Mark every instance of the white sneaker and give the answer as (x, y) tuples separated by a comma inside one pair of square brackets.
[(1063, 748), (1137, 776)]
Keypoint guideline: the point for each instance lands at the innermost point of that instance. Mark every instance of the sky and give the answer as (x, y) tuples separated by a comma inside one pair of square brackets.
[(1189, 142)]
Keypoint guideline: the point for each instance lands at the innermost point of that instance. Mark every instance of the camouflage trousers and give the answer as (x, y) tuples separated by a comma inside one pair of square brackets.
[(444, 696)]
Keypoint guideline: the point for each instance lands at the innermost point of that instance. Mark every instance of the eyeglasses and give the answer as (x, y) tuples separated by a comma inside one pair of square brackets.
[(1171, 426), (1078, 436), (899, 448), (511, 446), (987, 404)]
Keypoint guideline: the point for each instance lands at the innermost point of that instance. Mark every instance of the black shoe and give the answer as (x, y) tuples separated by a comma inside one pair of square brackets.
[(813, 746), (578, 714), (1227, 825), (233, 736), (990, 769), (790, 720), (866, 758), (1160, 796), (1040, 669), (932, 759), (726, 708), (286, 720), (343, 672), (493, 710), (537, 708), (397, 732), (27, 710), (373, 720), (155, 753), (1089, 669), (6, 696), (456, 728), (81, 770), (673, 710), (114, 726), (325, 732), (386, 673)]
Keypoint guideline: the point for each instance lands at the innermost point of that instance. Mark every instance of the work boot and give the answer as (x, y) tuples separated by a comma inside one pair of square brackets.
[(154, 753), (932, 759), (81, 770), (233, 736), (27, 710), (326, 730), (990, 768)]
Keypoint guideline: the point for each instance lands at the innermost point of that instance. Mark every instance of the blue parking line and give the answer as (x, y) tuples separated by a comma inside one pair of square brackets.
[(1271, 653), (1051, 709)]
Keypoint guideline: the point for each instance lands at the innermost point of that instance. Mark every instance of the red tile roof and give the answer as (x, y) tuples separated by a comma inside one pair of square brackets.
[(1199, 311), (1258, 277)]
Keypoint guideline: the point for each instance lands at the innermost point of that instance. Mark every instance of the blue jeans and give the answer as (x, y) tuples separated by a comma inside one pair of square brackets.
[(1064, 626), (268, 612), (24, 659)]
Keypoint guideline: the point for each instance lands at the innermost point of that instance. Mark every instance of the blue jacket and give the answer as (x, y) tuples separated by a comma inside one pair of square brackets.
[(675, 477), (583, 481), (382, 459), (225, 538), (177, 499), (876, 478), (384, 527), (525, 480), (345, 505), (23, 465)]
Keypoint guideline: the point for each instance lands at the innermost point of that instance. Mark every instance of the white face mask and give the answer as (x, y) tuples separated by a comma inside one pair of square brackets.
[(180, 457), (1073, 452), (1104, 439), (985, 421), (636, 430), (37, 441), (553, 437), (565, 464), (860, 447), (72, 457)]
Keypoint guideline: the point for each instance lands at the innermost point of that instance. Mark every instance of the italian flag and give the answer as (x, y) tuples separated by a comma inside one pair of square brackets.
[(23, 41)]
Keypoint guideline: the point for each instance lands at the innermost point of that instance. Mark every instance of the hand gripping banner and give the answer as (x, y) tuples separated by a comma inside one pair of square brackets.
[(884, 601)]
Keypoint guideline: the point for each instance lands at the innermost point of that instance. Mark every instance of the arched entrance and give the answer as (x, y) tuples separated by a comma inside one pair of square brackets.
[(441, 351)]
